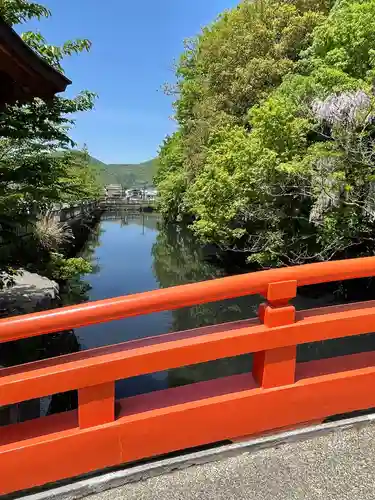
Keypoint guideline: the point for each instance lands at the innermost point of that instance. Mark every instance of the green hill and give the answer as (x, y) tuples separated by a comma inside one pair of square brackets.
[(128, 175)]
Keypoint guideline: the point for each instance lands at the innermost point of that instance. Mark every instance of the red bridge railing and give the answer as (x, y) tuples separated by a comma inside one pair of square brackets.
[(278, 393)]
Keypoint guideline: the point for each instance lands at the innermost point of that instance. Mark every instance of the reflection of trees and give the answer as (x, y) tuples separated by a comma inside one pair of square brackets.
[(92, 243), (76, 289), (178, 259)]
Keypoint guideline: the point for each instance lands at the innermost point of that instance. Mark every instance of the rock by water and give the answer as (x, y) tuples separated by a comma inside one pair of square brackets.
[(30, 292)]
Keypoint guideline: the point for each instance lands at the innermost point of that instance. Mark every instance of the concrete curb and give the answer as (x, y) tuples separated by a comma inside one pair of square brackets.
[(108, 480)]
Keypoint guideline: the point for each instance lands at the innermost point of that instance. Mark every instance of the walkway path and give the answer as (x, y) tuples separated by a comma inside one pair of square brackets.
[(338, 465)]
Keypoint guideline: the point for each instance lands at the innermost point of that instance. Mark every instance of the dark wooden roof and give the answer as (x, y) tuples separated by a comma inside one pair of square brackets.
[(23, 73)]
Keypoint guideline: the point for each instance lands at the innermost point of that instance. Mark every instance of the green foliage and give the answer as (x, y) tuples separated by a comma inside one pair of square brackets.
[(230, 67), (274, 155), (37, 167), (170, 178), (51, 53), (346, 41), (171, 191), (20, 11), (80, 181), (62, 269)]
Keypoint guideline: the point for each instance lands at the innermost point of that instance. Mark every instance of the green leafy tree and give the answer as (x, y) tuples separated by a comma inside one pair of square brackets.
[(20, 11), (277, 164), (37, 166), (231, 66)]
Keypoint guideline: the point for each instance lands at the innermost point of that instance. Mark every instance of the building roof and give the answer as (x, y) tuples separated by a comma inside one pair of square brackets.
[(23, 73)]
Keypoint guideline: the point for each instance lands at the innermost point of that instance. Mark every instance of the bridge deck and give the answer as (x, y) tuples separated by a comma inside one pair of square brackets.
[(336, 466), (332, 462)]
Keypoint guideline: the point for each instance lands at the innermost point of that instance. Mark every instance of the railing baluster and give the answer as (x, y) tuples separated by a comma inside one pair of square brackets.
[(96, 405), (276, 367)]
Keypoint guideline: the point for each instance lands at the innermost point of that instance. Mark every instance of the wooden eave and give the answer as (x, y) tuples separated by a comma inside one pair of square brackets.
[(23, 72)]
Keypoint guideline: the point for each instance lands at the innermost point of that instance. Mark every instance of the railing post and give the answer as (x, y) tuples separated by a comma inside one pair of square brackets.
[(276, 367), (96, 405)]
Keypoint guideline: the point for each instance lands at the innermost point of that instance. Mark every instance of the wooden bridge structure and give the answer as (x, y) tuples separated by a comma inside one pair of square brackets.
[(278, 393)]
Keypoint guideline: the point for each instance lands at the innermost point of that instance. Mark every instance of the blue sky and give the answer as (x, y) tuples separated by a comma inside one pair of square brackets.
[(134, 46)]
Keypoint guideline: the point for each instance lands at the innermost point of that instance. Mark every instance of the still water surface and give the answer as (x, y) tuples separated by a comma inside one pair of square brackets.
[(133, 254)]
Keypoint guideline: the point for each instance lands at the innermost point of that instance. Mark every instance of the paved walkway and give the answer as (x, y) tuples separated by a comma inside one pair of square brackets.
[(337, 466)]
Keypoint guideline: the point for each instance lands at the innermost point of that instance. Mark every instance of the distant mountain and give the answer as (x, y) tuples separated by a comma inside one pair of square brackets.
[(128, 175), (94, 161)]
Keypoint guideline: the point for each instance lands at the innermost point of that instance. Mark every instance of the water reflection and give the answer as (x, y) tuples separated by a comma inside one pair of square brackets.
[(137, 253), (77, 290), (178, 259), (124, 263)]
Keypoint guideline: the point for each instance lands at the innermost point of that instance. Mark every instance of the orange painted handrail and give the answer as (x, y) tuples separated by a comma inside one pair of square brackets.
[(66, 318), (279, 392), (150, 355)]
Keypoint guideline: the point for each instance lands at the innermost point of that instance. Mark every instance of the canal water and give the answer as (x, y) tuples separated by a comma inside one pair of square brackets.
[(135, 253)]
